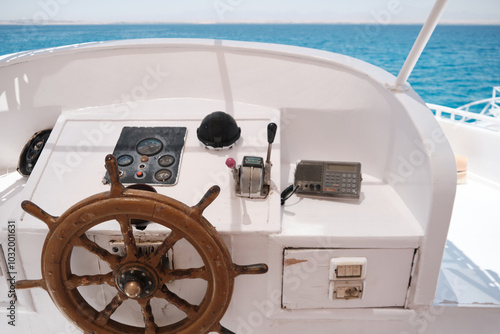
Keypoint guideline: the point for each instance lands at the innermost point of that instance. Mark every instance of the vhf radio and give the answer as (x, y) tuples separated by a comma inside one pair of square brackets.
[(328, 179)]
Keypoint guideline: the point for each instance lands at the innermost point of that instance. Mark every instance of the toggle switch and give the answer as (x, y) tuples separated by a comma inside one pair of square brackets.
[(347, 268)]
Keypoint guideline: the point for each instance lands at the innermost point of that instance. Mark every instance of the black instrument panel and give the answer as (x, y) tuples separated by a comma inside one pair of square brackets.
[(150, 155)]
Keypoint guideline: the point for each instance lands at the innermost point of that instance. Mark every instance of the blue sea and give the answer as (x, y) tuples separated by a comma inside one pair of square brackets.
[(461, 64)]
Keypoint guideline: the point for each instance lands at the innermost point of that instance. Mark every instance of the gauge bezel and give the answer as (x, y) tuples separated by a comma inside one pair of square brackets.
[(149, 154), (123, 156), (165, 156), (163, 171)]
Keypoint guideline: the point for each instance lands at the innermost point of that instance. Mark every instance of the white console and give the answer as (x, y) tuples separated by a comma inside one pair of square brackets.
[(74, 160)]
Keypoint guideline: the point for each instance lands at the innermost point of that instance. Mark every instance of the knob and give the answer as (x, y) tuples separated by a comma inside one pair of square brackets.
[(271, 132), (231, 163)]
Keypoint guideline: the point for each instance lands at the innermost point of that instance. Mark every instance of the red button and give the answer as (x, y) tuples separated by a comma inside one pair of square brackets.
[(140, 174)]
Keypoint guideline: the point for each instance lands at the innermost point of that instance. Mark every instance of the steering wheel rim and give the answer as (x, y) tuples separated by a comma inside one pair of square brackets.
[(123, 205)]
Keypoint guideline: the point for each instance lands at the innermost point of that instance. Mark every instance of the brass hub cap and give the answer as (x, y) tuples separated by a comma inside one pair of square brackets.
[(136, 280)]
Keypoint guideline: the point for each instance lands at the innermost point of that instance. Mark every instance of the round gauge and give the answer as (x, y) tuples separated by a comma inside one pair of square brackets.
[(149, 146), (166, 160), (125, 160), (163, 175)]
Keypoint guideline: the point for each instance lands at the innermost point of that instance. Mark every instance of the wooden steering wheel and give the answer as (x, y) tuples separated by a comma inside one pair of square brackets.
[(136, 276)]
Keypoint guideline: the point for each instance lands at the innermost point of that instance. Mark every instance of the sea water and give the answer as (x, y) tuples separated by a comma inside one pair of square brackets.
[(460, 64)]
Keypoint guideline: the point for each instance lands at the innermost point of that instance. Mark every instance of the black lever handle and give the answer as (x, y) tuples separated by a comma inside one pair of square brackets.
[(271, 132)]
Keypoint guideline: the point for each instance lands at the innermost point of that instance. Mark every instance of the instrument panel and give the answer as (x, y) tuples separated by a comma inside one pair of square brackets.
[(150, 155)]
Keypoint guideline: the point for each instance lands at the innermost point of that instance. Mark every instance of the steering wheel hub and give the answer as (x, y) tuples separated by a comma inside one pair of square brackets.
[(136, 280)]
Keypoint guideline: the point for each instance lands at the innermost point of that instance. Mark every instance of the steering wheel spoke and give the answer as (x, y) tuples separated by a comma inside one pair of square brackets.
[(75, 281), (183, 305), (131, 253), (252, 269), (91, 246), (149, 319), (103, 316), (191, 273), (155, 258)]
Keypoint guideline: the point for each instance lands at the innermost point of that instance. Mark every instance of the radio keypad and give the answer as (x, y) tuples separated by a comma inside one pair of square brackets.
[(340, 182)]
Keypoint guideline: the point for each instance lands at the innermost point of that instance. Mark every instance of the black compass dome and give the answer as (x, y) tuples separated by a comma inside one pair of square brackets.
[(218, 130)]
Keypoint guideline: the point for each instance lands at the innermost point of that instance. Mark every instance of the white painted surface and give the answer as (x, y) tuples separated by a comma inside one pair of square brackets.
[(378, 219), (306, 280)]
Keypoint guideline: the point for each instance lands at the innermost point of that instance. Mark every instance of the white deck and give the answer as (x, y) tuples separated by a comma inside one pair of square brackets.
[(471, 267)]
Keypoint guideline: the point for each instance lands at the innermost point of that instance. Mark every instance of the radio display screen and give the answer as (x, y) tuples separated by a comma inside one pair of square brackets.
[(341, 168)]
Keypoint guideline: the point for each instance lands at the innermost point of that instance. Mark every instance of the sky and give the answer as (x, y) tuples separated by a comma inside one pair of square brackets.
[(229, 11)]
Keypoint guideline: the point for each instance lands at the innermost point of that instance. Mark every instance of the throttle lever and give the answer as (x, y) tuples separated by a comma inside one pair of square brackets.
[(253, 177), (271, 133)]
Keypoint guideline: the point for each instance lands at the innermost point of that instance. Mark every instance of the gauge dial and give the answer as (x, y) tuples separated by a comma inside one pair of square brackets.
[(163, 175), (125, 160), (149, 146), (166, 160)]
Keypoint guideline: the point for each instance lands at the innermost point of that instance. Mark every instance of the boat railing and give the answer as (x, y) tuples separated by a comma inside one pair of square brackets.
[(484, 113), (491, 105)]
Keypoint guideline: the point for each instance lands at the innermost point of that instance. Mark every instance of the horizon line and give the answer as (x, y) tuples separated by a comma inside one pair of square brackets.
[(208, 22)]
